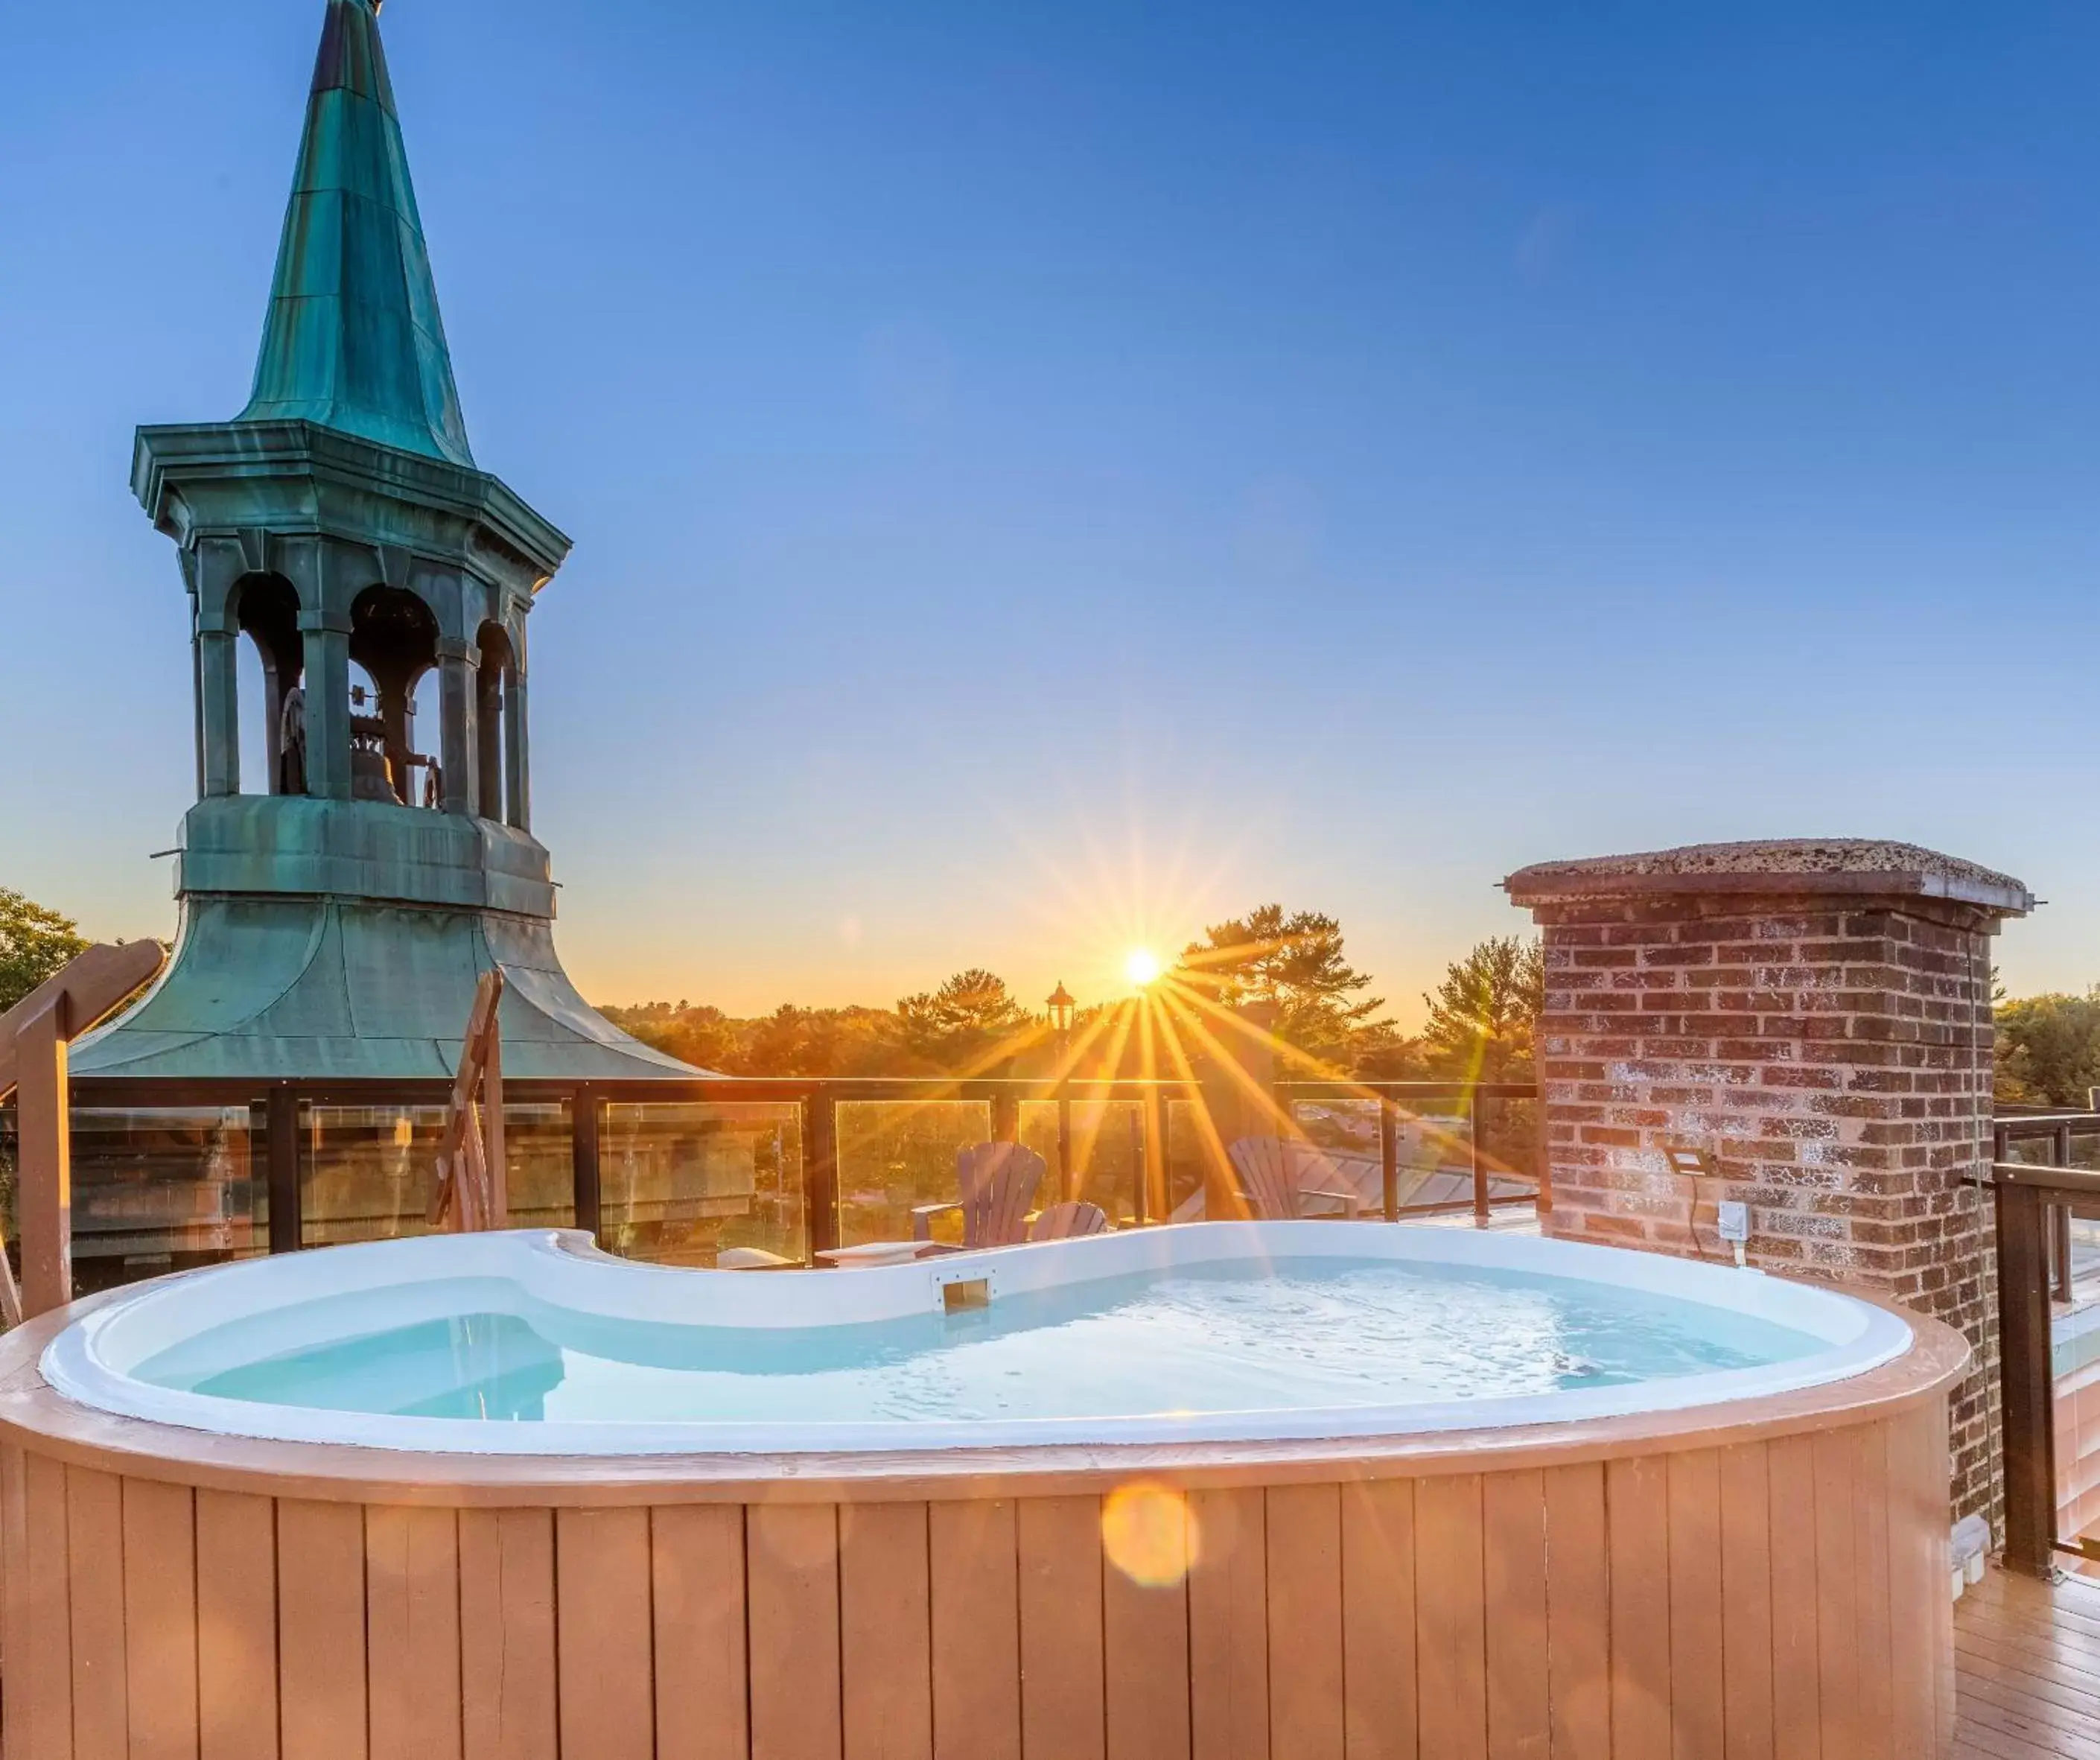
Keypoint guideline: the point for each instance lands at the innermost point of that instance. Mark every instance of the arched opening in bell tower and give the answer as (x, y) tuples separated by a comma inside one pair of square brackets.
[(393, 643), (269, 665), (495, 731)]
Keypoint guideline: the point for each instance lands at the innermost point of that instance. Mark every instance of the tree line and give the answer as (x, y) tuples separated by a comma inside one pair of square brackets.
[(1291, 964), (2049, 1049)]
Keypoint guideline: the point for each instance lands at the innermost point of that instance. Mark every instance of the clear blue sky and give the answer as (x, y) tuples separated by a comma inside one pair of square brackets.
[(1044, 476)]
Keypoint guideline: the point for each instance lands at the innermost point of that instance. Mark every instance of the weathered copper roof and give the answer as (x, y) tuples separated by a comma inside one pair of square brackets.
[(1852, 865), (320, 988), (341, 938), (353, 339)]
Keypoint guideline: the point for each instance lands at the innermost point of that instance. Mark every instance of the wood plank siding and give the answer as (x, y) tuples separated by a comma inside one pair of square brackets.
[(1763, 1600)]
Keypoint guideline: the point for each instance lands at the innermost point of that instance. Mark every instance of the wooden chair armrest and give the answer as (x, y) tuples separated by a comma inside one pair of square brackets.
[(1352, 1204), (922, 1218)]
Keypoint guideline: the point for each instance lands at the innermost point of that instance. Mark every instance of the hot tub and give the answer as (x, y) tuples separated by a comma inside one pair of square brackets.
[(1299, 1489)]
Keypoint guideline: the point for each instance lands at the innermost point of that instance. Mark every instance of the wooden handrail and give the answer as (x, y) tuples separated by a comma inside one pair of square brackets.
[(472, 1189), (2033, 1205), (35, 1035), (85, 990), (2075, 1182)]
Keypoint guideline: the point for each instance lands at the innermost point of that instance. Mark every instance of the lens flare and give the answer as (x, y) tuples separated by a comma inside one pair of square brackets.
[(1141, 965), (1149, 1532)]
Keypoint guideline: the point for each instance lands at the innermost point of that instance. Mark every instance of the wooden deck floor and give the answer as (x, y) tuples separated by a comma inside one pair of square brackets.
[(2027, 1662)]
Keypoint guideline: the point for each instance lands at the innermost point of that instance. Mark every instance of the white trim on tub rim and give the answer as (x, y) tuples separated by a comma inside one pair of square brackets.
[(91, 1360)]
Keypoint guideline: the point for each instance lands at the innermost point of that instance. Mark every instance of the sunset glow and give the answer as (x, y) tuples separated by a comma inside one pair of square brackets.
[(1141, 966)]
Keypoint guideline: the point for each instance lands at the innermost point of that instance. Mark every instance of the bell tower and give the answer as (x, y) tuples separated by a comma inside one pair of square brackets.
[(337, 909)]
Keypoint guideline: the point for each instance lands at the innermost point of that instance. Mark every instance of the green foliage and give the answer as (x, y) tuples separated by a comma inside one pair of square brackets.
[(1384, 1053), (850, 1041), (2049, 1049), (1294, 963), (34, 942), (790, 1041), (971, 1021), (1484, 1015), (968, 1023)]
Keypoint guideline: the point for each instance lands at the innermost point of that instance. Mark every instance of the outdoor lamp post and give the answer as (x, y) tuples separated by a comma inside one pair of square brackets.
[(1060, 1005)]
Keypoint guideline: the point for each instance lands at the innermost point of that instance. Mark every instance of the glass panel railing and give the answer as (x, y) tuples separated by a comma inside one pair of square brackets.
[(1106, 1143), (158, 1188), (896, 1155), (540, 1152), (2044, 1150), (1110, 1151), (365, 1172), (1433, 1150), (2076, 1365), (1346, 1132), (680, 1183)]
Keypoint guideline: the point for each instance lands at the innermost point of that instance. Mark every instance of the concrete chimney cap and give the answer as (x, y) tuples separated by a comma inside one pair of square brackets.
[(1814, 865)]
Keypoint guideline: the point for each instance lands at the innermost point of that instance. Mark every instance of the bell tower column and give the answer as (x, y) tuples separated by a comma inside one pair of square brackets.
[(217, 684), (517, 755), (218, 566), (327, 639), (459, 751)]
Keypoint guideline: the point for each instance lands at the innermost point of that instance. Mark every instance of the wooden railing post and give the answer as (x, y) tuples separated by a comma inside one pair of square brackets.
[(280, 1140), (1388, 1160), (1159, 1160), (1542, 1156), (1481, 1205), (585, 1107), (820, 1170), (2026, 1384), (2059, 1225), (43, 1173), (1068, 1175)]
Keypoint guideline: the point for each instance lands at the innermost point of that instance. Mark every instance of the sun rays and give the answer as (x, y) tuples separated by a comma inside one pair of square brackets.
[(1142, 967), (1205, 1058)]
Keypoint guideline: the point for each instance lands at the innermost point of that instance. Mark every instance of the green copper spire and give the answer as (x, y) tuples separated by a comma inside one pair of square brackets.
[(353, 340)]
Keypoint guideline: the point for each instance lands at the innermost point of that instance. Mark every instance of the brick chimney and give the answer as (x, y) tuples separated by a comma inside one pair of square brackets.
[(1812, 1019)]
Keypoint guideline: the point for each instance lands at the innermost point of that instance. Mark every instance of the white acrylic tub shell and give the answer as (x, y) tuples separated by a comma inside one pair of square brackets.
[(92, 1360)]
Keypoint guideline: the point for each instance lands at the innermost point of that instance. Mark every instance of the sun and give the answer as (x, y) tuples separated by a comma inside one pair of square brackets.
[(1141, 965)]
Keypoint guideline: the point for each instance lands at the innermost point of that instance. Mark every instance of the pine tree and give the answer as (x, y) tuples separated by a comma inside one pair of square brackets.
[(1294, 963), (1484, 1015)]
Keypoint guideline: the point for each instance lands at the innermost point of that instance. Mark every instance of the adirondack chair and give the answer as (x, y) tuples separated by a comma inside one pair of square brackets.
[(998, 1183), (1067, 1221), (1275, 1174)]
